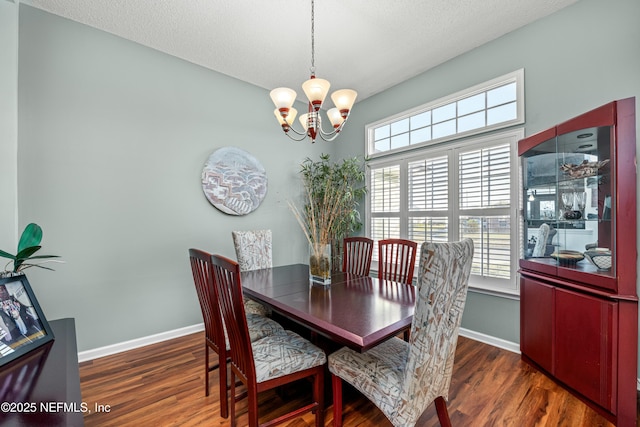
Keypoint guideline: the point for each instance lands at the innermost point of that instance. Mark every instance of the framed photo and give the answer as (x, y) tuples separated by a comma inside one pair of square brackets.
[(23, 327)]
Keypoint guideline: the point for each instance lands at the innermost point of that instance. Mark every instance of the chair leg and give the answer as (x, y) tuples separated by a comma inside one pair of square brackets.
[(206, 369), (233, 398), (224, 397), (336, 383), (443, 414), (318, 396), (252, 406)]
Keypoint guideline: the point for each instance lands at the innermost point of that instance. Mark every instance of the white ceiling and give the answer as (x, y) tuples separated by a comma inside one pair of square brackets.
[(366, 45)]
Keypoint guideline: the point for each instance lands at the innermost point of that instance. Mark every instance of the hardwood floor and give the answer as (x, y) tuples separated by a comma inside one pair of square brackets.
[(163, 385)]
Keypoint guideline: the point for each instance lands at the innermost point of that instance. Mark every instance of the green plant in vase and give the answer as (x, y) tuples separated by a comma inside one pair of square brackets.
[(28, 245), (332, 195)]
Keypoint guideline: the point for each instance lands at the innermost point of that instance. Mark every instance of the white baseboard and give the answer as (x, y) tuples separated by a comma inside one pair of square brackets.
[(488, 339), (83, 356)]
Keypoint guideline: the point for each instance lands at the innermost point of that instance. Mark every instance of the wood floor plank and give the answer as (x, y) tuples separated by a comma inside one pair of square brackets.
[(163, 385)]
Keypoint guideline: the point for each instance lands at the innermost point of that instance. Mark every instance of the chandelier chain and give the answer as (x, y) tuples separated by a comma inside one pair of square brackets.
[(313, 41)]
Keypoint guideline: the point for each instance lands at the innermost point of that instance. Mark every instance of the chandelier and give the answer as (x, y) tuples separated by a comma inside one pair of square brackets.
[(316, 91)]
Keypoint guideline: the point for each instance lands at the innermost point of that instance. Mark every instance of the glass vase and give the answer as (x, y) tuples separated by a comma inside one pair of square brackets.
[(320, 264)]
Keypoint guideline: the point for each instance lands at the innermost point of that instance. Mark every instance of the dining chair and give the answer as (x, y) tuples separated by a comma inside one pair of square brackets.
[(215, 331), (356, 255), (254, 252), (268, 362), (403, 378), (396, 260)]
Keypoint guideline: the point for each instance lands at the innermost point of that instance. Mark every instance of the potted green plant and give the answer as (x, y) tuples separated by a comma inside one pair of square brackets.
[(24, 258), (332, 195)]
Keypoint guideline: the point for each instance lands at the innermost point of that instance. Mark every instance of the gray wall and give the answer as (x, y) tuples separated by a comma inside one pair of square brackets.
[(574, 60), (113, 138), (8, 126)]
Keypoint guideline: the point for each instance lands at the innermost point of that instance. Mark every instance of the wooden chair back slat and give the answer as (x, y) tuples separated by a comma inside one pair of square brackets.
[(356, 255), (397, 259)]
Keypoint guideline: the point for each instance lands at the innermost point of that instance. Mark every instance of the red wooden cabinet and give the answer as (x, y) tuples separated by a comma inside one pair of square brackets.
[(578, 299)]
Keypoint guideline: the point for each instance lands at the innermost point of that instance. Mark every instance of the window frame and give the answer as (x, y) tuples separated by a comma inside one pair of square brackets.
[(503, 287), (516, 77)]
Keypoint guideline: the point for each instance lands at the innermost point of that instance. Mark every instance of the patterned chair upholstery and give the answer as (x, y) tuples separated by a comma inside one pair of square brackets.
[(215, 331), (268, 362), (253, 251), (403, 378)]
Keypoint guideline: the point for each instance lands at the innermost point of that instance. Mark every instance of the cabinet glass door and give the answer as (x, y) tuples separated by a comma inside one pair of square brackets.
[(568, 202)]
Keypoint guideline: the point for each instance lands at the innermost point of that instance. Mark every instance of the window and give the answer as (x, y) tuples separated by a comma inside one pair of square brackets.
[(438, 173), (440, 194), (489, 106)]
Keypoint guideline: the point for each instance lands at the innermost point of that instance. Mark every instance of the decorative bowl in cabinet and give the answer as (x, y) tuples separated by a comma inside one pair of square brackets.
[(600, 258), (572, 215), (565, 257)]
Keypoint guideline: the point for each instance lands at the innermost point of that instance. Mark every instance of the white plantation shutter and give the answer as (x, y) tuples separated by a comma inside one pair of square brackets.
[(485, 199), (384, 196), (485, 178), (385, 189), (443, 195), (428, 200), (492, 244), (429, 184)]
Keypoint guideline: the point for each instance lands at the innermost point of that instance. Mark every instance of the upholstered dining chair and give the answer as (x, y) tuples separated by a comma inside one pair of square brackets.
[(253, 251), (396, 260), (215, 332), (268, 362), (356, 255), (403, 378)]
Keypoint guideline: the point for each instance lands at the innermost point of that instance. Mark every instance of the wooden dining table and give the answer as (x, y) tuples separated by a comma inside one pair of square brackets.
[(357, 311)]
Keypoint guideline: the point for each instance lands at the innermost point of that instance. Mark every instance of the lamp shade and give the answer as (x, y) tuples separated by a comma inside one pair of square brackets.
[(316, 91), (344, 99), (335, 117), (283, 97), (304, 121), (290, 118)]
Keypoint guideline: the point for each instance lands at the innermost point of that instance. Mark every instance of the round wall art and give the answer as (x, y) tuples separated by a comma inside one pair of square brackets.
[(234, 181)]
